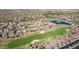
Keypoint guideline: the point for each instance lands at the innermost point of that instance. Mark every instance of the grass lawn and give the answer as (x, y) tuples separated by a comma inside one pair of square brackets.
[(25, 40)]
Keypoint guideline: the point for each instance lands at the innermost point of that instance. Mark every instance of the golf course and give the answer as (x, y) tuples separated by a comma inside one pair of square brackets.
[(26, 40)]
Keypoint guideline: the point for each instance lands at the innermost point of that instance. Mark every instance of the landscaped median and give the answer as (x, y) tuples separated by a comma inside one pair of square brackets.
[(26, 40)]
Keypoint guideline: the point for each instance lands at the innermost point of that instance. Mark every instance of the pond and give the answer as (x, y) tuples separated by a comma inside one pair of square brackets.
[(60, 22)]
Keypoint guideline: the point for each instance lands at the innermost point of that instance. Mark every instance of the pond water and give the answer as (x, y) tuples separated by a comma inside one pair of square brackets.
[(60, 22)]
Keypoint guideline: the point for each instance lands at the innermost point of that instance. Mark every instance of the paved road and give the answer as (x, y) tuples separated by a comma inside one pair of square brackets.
[(72, 45)]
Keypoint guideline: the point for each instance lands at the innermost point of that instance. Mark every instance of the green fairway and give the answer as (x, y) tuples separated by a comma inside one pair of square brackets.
[(25, 40)]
